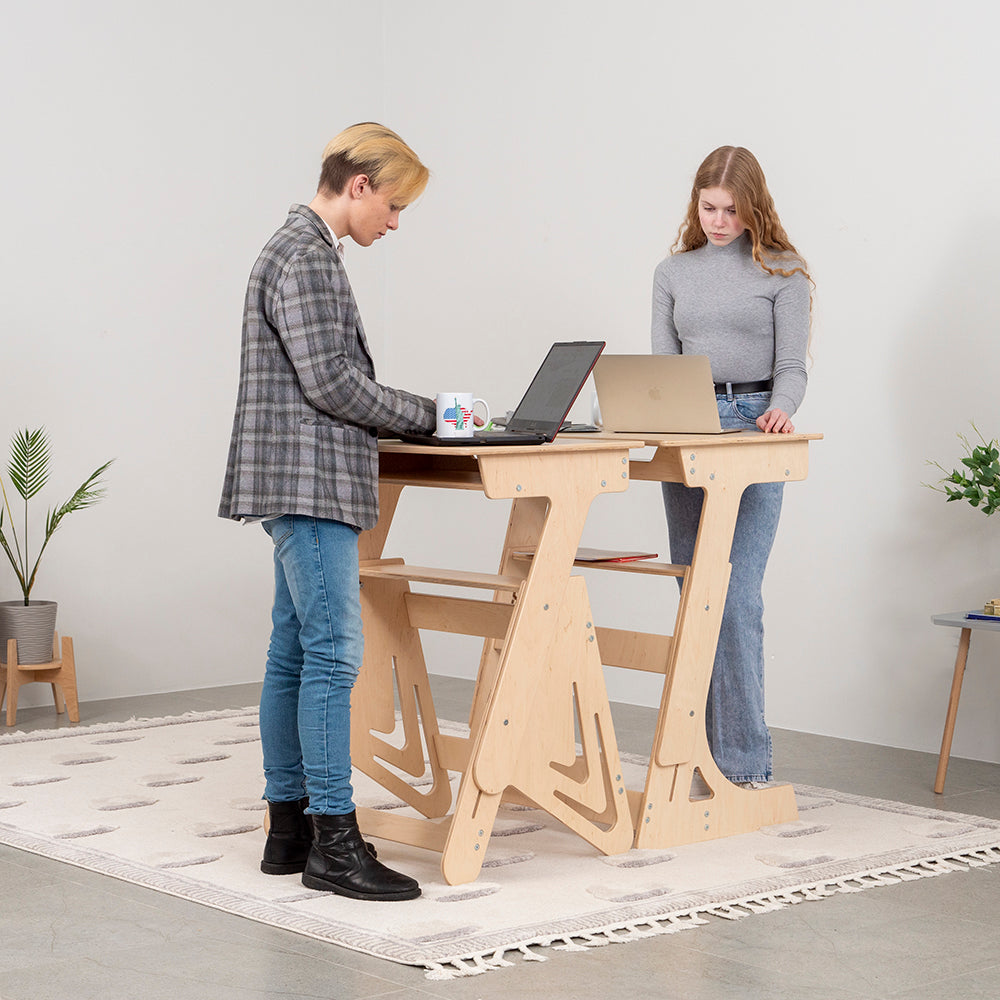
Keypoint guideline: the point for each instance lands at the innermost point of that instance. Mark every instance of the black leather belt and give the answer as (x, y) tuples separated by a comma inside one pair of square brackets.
[(724, 388)]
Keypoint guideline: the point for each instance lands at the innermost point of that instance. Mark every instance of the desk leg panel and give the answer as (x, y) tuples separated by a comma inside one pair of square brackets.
[(393, 667), (372, 542), (668, 816), (469, 834), (699, 617), (528, 740), (527, 519)]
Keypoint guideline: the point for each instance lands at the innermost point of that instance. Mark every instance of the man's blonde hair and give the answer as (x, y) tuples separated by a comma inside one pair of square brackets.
[(372, 149)]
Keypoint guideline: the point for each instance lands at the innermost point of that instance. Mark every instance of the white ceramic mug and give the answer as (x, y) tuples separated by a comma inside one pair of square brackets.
[(454, 414)]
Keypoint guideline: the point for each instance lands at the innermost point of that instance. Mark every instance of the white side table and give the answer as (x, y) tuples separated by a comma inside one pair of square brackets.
[(957, 619)]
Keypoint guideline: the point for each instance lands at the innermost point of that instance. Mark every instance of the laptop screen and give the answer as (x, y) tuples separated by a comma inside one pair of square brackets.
[(554, 388)]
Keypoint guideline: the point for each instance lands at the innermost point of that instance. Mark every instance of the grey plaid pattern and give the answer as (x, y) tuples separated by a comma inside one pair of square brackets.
[(308, 411)]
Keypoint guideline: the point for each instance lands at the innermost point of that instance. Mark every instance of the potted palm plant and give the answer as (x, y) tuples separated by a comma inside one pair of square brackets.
[(33, 623)]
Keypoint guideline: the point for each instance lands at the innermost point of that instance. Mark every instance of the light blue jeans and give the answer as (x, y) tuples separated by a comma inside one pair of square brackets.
[(737, 733), (312, 663)]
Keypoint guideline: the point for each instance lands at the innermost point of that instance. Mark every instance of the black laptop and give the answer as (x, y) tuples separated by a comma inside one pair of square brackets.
[(543, 407)]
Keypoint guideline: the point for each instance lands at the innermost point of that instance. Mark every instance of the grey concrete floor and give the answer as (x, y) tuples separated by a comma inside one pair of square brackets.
[(69, 934)]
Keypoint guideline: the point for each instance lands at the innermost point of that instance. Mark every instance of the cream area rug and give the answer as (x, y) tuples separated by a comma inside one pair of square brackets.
[(174, 804)]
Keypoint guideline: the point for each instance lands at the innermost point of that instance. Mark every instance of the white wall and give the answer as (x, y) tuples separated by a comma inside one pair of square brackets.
[(150, 158), (564, 147)]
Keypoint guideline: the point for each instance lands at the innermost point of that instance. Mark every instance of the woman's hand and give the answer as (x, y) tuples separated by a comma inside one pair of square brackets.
[(775, 422)]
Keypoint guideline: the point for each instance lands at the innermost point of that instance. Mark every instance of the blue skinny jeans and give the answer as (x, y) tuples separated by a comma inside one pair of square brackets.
[(312, 662)]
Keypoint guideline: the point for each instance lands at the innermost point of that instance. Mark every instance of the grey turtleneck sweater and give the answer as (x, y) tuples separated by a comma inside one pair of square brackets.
[(752, 325)]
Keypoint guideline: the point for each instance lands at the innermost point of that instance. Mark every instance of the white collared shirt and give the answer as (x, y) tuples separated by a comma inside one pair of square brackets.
[(337, 244)]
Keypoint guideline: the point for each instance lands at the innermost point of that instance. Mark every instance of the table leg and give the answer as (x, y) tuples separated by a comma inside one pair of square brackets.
[(949, 722), (393, 670), (546, 682), (524, 527)]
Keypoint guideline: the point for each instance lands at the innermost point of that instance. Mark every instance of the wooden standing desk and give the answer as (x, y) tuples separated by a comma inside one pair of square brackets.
[(723, 465), (540, 686)]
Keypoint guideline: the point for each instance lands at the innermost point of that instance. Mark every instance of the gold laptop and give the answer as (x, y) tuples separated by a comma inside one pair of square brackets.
[(657, 394)]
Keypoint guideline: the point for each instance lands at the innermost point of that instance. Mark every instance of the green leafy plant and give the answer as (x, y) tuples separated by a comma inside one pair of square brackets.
[(29, 472), (978, 483)]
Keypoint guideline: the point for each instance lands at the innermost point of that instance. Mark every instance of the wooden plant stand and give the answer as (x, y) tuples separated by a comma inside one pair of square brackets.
[(60, 673)]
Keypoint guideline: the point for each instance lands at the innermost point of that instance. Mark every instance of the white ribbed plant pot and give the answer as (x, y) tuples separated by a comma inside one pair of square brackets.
[(33, 625)]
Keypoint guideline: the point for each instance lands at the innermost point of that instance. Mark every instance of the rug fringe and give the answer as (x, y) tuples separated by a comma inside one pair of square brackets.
[(475, 965)]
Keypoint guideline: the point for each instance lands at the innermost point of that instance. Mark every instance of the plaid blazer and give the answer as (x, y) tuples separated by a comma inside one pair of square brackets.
[(308, 411)]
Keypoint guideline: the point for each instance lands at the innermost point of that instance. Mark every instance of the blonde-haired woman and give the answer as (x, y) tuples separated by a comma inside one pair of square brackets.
[(735, 289)]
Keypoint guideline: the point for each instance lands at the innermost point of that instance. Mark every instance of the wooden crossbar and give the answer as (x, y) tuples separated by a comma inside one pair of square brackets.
[(649, 566), (448, 577), (458, 615), (635, 650)]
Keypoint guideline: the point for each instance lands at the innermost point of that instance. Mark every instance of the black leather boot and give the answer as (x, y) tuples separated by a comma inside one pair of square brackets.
[(289, 837), (340, 862)]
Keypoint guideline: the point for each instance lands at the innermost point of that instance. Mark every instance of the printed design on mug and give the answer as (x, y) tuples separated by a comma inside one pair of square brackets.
[(458, 416)]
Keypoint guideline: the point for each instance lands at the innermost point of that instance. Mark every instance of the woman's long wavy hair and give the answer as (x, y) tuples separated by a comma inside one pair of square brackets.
[(737, 171)]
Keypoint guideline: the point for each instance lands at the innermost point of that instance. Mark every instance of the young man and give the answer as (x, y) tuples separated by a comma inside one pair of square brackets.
[(304, 461)]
